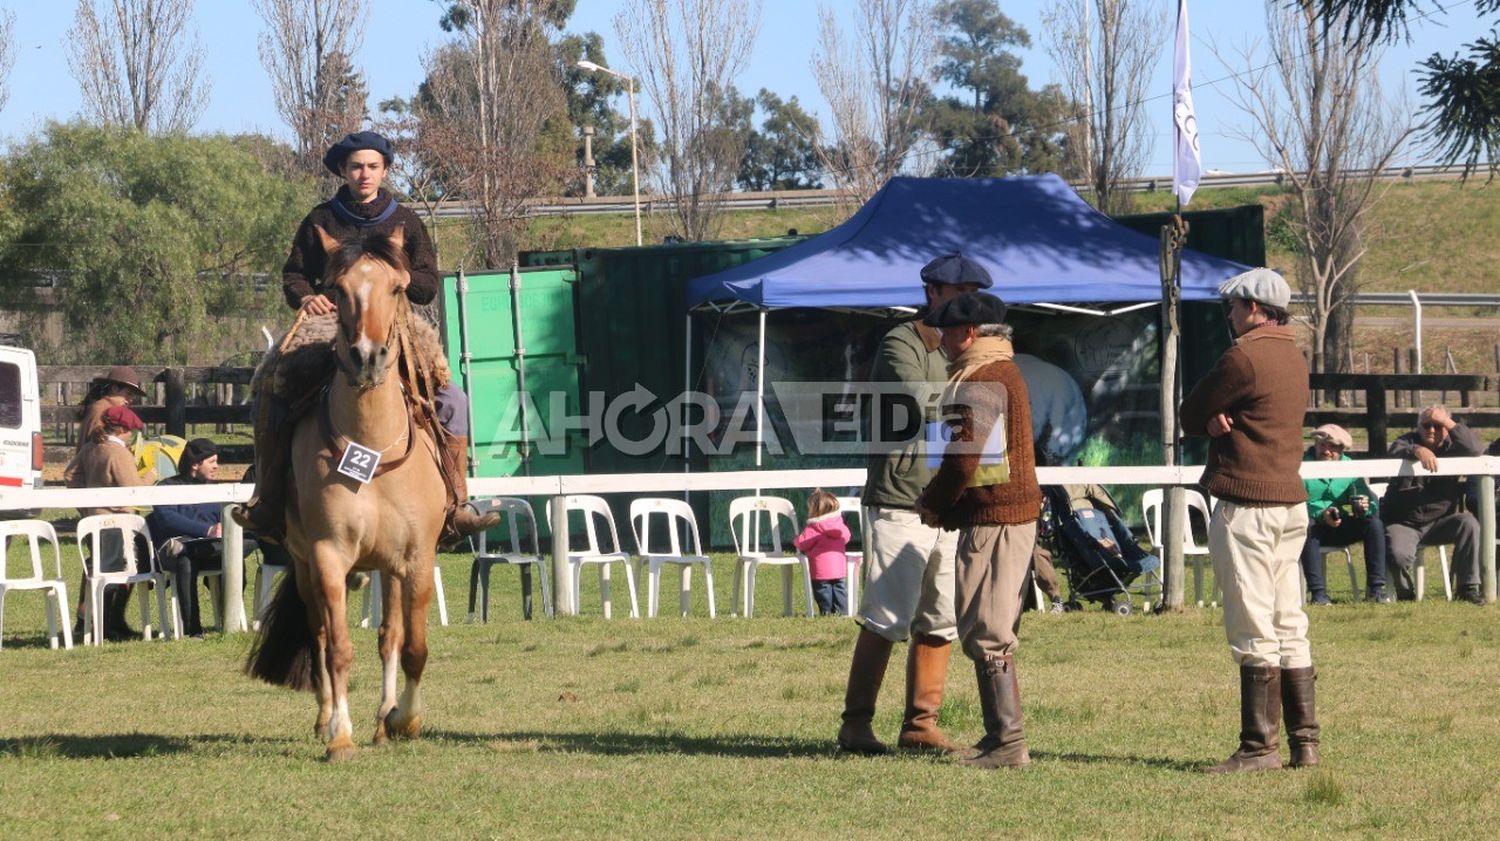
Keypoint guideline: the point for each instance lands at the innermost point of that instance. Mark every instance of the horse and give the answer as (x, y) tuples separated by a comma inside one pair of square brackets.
[(336, 524)]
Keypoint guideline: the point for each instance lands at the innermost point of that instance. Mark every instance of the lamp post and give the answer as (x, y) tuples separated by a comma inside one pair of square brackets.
[(635, 178)]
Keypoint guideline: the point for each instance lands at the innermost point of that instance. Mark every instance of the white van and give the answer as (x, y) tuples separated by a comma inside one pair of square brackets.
[(20, 420)]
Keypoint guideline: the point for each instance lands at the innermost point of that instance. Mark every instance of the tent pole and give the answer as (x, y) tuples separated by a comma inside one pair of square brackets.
[(760, 393), (1174, 504), (687, 386)]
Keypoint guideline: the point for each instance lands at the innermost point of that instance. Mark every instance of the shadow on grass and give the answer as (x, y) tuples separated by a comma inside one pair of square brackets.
[(1100, 759), (627, 744), (118, 745)]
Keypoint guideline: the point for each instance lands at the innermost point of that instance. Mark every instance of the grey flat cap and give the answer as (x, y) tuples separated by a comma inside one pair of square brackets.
[(1262, 285)]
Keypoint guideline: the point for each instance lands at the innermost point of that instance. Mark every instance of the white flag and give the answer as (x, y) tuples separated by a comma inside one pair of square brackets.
[(1187, 164)]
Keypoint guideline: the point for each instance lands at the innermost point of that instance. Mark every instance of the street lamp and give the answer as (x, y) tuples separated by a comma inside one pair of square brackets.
[(635, 178)]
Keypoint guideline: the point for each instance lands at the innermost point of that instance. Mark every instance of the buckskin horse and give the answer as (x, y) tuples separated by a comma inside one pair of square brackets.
[(337, 524)]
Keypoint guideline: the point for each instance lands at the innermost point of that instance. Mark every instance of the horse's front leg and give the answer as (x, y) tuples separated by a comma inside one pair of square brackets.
[(338, 649), (406, 719), (391, 634), (323, 690)]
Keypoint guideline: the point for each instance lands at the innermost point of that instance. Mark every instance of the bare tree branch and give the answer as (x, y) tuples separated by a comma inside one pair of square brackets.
[(7, 53), (1317, 113), (137, 64), (1105, 51), (874, 84), (307, 51), (687, 54)]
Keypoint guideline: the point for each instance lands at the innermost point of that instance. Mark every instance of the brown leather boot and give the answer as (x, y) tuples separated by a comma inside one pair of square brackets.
[(872, 653), (462, 519), (1298, 703), (265, 513), (1260, 722), (1004, 742), (926, 678)]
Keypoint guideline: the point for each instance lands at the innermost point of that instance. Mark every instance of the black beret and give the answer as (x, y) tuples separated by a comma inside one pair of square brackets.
[(339, 152), (197, 450), (968, 308), (954, 269)]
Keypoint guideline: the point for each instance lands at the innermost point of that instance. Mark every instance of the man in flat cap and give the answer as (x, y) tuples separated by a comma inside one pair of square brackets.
[(986, 489), (1251, 406), (360, 208), (1341, 511), (909, 565)]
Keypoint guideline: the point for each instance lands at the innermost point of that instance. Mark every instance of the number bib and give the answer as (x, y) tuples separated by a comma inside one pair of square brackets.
[(359, 463)]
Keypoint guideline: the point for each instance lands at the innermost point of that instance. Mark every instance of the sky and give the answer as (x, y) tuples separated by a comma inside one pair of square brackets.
[(399, 32)]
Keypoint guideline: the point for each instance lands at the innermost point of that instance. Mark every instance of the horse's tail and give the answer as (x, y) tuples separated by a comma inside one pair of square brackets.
[(286, 648)]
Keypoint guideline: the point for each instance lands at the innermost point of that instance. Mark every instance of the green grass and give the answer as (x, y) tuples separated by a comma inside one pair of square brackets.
[(673, 728)]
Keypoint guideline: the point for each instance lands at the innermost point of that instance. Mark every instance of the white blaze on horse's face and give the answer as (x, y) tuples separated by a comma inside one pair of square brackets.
[(369, 278)]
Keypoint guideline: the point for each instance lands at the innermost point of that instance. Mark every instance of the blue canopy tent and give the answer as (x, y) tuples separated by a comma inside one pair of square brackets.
[(1043, 244)]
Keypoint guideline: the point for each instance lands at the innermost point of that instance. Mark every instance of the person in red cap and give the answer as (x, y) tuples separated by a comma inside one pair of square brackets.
[(120, 387), (105, 461)]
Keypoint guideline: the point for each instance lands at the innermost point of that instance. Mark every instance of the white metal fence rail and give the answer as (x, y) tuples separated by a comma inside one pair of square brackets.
[(1484, 469)]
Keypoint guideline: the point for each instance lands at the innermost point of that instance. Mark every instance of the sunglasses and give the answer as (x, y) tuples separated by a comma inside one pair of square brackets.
[(1431, 425)]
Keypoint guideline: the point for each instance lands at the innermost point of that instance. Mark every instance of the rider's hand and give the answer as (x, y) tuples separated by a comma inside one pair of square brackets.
[(318, 305)]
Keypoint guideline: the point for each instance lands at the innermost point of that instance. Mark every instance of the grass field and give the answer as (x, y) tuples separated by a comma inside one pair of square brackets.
[(691, 728)]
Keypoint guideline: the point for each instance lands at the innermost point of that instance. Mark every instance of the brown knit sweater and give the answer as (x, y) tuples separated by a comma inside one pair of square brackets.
[(1011, 503), (303, 273), (1261, 385)]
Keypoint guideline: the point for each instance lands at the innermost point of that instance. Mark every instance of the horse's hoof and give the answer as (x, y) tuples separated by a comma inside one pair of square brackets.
[(341, 751), (402, 727)]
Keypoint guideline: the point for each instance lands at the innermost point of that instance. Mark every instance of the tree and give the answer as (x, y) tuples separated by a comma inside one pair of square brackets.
[(783, 153), (1105, 51), (687, 54), (875, 84), (7, 53), (1002, 126), (157, 241), (1317, 113), (494, 115), (591, 103), (306, 51), (136, 63), (1463, 111)]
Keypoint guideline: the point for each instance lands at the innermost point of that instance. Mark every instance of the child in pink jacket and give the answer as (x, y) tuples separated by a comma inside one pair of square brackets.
[(823, 542)]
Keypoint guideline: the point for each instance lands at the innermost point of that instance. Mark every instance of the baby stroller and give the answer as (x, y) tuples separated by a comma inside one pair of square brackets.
[(1097, 554)]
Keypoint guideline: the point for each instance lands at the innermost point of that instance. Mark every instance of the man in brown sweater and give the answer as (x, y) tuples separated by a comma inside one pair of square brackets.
[(986, 488), (1251, 405)]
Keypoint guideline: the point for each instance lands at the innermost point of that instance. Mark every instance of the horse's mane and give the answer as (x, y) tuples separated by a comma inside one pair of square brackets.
[(366, 244)]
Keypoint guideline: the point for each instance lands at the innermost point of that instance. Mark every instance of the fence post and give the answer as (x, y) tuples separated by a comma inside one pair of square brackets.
[(1487, 535), (176, 402), (1376, 418), (234, 571)]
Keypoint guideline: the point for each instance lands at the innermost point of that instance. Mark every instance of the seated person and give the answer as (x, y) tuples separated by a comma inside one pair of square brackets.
[(1341, 511), (104, 461), (192, 532), (1429, 509)]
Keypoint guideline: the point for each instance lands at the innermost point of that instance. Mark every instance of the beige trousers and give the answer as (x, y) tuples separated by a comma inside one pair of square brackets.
[(991, 576), (909, 577), (1255, 551)]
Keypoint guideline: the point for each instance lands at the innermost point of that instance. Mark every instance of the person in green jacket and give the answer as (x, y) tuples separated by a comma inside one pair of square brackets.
[(1340, 512)]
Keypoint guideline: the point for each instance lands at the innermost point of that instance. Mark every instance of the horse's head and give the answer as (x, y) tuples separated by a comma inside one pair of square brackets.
[(367, 278)]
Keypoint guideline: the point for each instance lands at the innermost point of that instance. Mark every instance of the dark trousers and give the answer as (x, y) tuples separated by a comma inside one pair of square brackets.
[(1459, 528), (197, 556), (1370, 530), (831, 597)]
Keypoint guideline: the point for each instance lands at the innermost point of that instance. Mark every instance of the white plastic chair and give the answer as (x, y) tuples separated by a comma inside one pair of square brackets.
[(371, 605), (54, 590), (855, 561), (1151, 505), (755, 523), (1325, 551), (519, 524), (90, 530), (678, 522), (594, 508)]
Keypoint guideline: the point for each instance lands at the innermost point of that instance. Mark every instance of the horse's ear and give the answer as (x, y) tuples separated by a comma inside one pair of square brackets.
[(398, 237), (330, 244)]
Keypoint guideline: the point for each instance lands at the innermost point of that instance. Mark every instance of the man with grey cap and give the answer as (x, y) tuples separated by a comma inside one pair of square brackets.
[(986, 489), (1251, 406), (909, 566), (1341, 511)]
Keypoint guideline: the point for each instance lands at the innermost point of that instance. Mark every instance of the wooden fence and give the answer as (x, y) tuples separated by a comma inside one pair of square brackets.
[(176, 398)]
